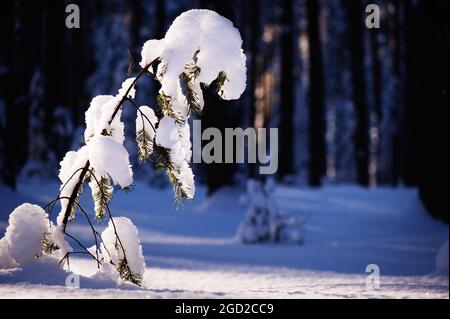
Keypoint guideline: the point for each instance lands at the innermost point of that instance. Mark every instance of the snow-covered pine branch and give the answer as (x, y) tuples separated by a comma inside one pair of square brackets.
[(199, 48)]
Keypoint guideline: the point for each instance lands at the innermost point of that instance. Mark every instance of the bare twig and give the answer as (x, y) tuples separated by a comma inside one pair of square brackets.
[(142, 115)]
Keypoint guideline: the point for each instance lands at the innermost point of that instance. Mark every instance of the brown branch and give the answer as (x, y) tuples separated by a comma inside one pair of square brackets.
[(74, 195)]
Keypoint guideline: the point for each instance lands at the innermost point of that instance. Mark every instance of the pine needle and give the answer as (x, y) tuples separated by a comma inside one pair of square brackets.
[(126, 274), (145, 146), (164, 106), (73, 207), (102, 193), (161, 157), (187, 79)]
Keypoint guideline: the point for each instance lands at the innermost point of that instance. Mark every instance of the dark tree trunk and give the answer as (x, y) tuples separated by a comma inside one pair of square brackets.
[(286, 162), (361, 134), (252, 14), (376, 96), (427, 110), (396, 47), (19, 19), (160, 17), (317, 166)]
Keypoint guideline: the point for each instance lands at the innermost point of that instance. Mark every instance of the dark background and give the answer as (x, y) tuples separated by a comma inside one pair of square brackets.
[(353, 105)]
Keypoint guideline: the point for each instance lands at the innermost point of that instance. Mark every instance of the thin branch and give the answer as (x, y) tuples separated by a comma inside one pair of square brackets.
[(59, 193), (112, 222), (142, 114), (82, 246)]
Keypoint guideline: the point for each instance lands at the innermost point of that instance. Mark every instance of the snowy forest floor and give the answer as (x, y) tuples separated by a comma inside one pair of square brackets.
[(192, 252)]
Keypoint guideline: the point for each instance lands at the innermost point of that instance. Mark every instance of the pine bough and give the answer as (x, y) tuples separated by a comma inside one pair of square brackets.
[(199, 48)]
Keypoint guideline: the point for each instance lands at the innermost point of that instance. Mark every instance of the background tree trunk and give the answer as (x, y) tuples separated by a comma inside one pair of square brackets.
[(317, 166), (361, 134), (287, 82)]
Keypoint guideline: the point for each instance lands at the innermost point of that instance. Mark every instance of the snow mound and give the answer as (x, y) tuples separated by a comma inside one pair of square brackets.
[(27, 226), (129, 239), (107, 156)]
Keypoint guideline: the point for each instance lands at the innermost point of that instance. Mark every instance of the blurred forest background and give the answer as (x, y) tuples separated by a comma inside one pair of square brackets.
[(353, 105)]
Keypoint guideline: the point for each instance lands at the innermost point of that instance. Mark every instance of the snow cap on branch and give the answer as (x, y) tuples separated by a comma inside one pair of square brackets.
[(131, 263), (207, 39), (146, 114), (123, 90), (167, 133), (98, 116), (151, 50), (69, 174), (107, 156)]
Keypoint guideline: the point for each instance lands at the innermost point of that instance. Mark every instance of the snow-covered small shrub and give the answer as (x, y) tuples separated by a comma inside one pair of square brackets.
[(122, 248), (264, 221), (27, 227), (200, 47)]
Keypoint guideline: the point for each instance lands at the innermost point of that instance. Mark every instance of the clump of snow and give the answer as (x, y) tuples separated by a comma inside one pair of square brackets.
[(219, 47), (186, 176), (27, 226), (167, 133), (151, 50), (442, 259), (129, 238), (142, 121), (127, 84), (98, 116), (185, 141), (107, 156)]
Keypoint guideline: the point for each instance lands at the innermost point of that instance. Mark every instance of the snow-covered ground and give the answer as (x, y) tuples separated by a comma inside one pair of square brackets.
[(192, 251)]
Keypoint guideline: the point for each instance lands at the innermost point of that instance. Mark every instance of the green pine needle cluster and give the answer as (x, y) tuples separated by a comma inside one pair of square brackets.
[(163, 103), (48, 246), (162, 161), (73, 207), (102, 192), (145, 146), (126, 274), (187, 79)]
